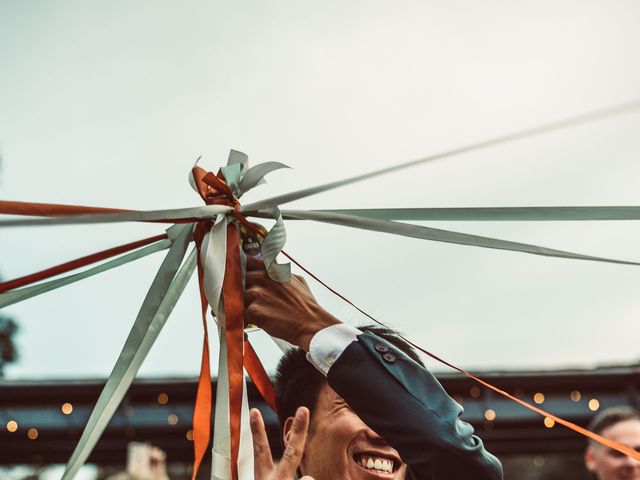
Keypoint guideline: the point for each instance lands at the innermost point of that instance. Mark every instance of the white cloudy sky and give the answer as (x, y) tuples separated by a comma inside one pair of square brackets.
[(109, 103)]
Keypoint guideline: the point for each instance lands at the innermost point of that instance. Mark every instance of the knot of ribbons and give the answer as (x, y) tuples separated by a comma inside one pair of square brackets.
[(221, 284), (214, 189)]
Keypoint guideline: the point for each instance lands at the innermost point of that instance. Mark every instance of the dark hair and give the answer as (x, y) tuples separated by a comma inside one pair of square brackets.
[(611, 416), (298, 382)]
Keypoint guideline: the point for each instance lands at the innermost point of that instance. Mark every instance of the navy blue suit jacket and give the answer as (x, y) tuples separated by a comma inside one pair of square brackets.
[(405, 404)]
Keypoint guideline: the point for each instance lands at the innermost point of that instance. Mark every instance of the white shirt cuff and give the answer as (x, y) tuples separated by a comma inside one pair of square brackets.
[(329, 343)]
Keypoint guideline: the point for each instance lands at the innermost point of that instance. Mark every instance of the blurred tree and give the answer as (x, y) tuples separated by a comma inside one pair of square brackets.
[(8, 351)]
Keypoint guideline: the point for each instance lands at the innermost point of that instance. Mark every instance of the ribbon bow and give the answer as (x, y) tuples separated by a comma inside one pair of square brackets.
[(221, 281)]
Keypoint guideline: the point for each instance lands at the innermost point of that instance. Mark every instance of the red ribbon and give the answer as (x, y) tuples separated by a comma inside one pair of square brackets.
[(77, 263)]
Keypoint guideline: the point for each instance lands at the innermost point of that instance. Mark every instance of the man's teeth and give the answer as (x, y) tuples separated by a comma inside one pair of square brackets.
[(378, 464)]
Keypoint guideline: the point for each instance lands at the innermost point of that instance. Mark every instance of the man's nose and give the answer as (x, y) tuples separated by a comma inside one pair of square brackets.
[(373, 436)]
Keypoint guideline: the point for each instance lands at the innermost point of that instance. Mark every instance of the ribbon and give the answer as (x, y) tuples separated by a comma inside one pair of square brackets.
[(178, 215), (202, 408), (233, 294), (259, 376), (160, 300), (20, 294), (576, 120), (493, 214), (439, 235), (77, 263)]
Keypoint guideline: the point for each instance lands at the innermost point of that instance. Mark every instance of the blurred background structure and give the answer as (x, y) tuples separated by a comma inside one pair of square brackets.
[(49, 418)]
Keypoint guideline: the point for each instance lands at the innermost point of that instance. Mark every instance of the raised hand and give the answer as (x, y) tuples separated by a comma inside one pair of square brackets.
[(284, 310), (264, 468)]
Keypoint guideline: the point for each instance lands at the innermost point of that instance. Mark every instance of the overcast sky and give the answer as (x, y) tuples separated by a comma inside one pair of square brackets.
[(109, 104)]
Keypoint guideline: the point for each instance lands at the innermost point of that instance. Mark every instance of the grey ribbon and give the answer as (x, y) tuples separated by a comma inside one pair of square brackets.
[(475, 214), (437, 235), (15, 296), (529, 132)]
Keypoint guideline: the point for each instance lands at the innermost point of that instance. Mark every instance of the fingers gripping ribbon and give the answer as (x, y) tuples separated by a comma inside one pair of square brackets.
[(221, 274)]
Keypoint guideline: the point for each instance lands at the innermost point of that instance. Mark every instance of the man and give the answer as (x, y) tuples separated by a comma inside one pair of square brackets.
[(621, 424), (378, 414)]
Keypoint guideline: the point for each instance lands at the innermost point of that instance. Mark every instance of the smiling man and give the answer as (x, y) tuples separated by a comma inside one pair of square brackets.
[(355, 404)]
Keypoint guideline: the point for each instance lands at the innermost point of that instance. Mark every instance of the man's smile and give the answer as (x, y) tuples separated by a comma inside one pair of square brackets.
[(382, 465)]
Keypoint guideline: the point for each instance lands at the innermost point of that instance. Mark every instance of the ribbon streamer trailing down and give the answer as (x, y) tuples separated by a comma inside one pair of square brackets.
[(576, 428)]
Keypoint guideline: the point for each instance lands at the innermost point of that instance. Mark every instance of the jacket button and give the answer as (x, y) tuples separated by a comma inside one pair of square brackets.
[(389, 357), (381, 348)]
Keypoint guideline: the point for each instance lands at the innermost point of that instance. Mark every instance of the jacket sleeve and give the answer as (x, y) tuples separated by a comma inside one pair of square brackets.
[(405, 404)]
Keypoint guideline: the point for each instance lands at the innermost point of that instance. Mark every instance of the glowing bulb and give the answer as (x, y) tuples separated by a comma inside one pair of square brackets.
[(490, 415), (12, 426), (549, 422), (66, 408), (538, 398), (538, 461), (594, 404), (32, 433)]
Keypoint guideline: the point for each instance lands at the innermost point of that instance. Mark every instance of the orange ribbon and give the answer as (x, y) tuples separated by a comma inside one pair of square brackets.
[(259, 376), (233, 295), (202, 408)]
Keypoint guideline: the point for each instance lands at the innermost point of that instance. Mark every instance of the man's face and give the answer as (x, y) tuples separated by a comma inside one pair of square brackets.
[(340, 445), (609, 464)]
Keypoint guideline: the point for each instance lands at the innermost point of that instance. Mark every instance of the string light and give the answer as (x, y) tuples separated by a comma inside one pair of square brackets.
[(538, 398), (549, 422), (32, 433), (538, 461), (490, 415), (594, 404), (66, 408), (189, 435), (163, 399), (576, 396), (12, 426), (172, 419)]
